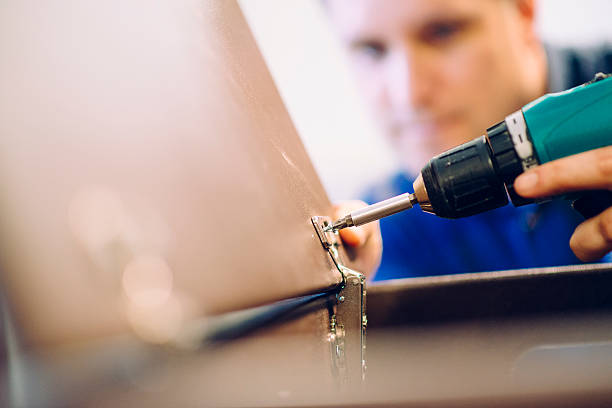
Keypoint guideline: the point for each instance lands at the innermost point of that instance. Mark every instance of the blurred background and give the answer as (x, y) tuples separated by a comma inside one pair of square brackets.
[(308, 66)]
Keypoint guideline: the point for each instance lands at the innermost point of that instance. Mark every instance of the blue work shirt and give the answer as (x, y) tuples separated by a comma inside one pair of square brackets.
[(420, 244)]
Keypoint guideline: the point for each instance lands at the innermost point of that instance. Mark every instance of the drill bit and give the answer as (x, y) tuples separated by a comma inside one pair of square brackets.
[(374, 212)]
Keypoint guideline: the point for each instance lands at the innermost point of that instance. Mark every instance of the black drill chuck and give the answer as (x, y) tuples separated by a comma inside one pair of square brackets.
[(464, 181)]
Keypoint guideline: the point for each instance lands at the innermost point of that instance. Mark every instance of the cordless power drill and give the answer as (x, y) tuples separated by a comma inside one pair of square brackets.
[(478, 176)]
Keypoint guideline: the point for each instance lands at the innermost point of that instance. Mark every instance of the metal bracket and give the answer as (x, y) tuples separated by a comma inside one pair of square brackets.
[(348, 319), (330, 240)]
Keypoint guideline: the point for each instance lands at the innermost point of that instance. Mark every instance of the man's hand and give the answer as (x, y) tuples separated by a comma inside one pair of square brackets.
[(365, 242), (585, 171)]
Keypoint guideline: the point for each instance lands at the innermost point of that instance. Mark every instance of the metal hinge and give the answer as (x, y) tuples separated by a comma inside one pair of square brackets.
[(348, 319)]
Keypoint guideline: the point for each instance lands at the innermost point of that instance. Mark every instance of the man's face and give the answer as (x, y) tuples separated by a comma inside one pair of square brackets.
[(438, 72)]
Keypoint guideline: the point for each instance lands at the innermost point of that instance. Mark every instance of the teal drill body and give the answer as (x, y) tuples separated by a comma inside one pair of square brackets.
[(571, 122)]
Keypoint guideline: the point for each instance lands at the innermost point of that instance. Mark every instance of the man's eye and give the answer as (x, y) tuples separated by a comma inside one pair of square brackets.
[(371, 50), (440, 33)]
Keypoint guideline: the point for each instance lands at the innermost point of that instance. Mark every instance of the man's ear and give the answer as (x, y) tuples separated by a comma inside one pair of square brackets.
[(527, 9), (527, 14)]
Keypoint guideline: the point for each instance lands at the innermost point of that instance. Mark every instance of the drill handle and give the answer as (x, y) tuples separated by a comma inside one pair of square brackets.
[(593, 203)]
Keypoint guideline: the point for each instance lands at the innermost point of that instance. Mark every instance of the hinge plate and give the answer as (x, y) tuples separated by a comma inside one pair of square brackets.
[(348, 318), (328, 238)]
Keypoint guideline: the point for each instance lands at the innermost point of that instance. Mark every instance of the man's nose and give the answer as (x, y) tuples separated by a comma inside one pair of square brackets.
[(408, 81)]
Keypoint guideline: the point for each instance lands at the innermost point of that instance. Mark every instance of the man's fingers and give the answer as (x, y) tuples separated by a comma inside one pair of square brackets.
[(353, 236), (358, 236), (590, 170), (593, 238), (365, 240)]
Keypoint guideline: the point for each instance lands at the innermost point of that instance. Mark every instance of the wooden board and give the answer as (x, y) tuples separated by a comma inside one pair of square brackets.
[(149, 170)]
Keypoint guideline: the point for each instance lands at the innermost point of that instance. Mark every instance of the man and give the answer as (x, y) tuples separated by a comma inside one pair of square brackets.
[(438, 73)]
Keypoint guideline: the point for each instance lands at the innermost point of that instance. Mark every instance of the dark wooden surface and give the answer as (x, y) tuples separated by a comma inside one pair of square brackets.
[(542, 355), (492, 295)]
